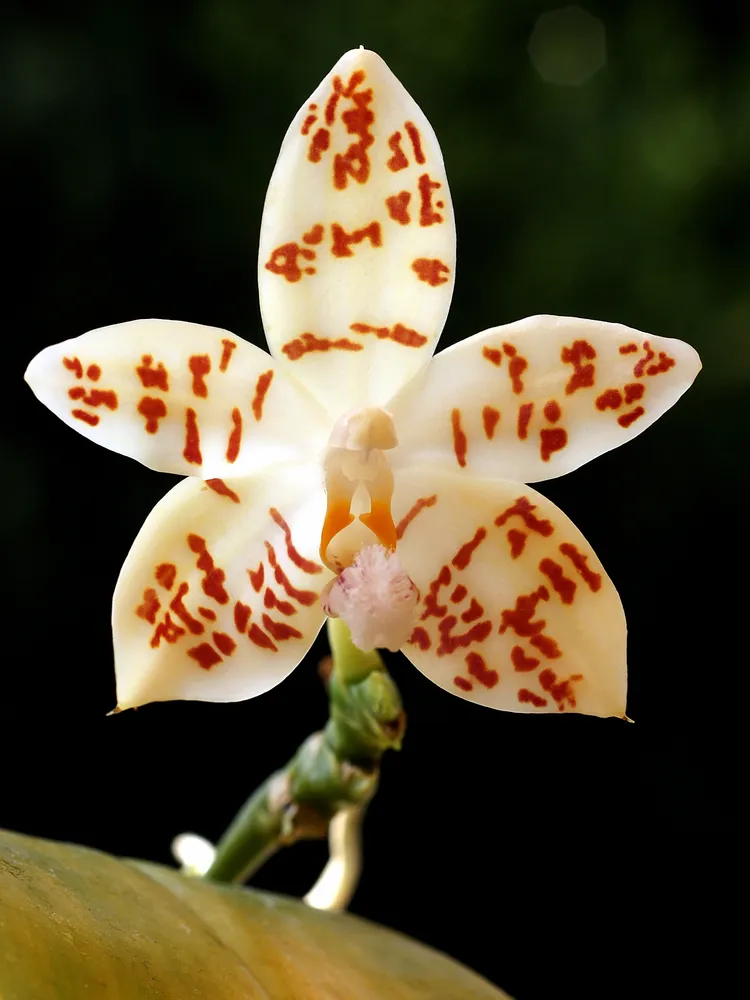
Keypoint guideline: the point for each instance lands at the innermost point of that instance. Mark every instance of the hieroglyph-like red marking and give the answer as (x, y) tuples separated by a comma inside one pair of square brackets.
[(90, 397), (399, 160), (153, 409), (165, 574), (580, 354), (427, 214), (341, 240), (220, 487), (308, 343), (460, 442), (228, 347), (200, 366), (306, 565), (192, 450), (310, 120), (415, 509), (563, 586), (517, 541), (398, 207), (643, 367), (355, 162), (421, 638), (213, 576), (525, 411), (552, 411), (551, 439), (462, 558), (490, 418), (271, 601), (450, 642), (261, 389), (458, 594), (517, 365), (526, 696), (580, 561), (398, 333), (94, 372), (524, 509), (73, 365), (315, 235), (305, 597), (284, 261), (561, 691), (152, 378), (431, 270), (493, 355), (235, 436), (477, 667), (521, 662)]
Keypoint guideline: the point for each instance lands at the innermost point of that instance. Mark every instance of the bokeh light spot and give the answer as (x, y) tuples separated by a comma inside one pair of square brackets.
[(567, 46)]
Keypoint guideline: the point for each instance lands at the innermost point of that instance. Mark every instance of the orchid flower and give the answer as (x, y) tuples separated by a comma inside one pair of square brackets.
[(347, 473)]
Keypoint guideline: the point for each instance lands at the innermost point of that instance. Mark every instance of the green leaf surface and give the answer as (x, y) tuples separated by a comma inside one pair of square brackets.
[(76, 923)]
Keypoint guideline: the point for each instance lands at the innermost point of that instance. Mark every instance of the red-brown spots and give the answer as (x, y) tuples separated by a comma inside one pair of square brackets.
[(546, 646), (427, 215), (663, 365), (315, 235), (493, 355), (177, 605), (477, 667), (280, 630), (153, 409), (562, 585), (308, 343), (561, 691), (524, 417), (73, 365), (580, 561), (552, 411), (416, 141), (318, 145), (242, 614), (88, 418), (474, 611), (521, 662), (200, 366), (355, 161), (634, 391), (256, 577), (343, 240), (419, 637), (227, 348), (431, 606), (580, 351), (165, 574), (551, 439), (517, 541), (205, 655), (192, 450), (463, 684), (207, 613), (523, 508), (490, 419), (284, 261), (270, 600), (449, 642), (261, 388), (463, 557), (399, 334), (529, 697), (516, 367), (225, 643), (167, 630), (150, 606), (213, 576), (306, 565), (628, 418), (431, 270), (220, 487), (94, 397), (259, 637), (610, 399), (235, 436), (398, 161), (398, 207), (94, 372), (460, 443), (308, 123), (640, 365), (306, 597), (419, 506), (628, 348), (152, 378), (519, 618)]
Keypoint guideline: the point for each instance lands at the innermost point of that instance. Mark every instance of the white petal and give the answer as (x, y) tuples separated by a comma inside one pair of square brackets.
[(538, 398), (218, 599), (517, 612), (179, 397), (357, 247)]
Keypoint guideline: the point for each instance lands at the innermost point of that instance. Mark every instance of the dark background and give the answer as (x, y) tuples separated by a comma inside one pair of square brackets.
[(557, 856)]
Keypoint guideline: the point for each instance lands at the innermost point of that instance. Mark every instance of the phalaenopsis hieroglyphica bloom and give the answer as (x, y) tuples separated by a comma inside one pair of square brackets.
[(350, 472)]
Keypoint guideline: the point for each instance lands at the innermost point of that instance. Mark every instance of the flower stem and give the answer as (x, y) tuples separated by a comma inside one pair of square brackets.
[(332, 771)]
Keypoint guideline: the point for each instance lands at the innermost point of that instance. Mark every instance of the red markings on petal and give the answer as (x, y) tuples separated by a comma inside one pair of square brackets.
[(283, 261), (261, 389), (306, 565), (398, 161), (225, 643), (73, 365), (235, 436), (207, 613), (86, 417), (192, 450), (416, 141), (165, 574), (551, 439), (490, 419), (280, 630), (561, 691), (308, 343), (256, 577), (431, 606), (427, 215), (430, 270), (593, 580), (220, 487), (460, 443), (178, 606), (167, 630), (519, 618), (523, 508), (153, 409), (546, 646), (474, 611), (152, 378), (343, 240), (552, 411), (524, 417), (458, 594), (493, 355), (306, 597), (526, 696), (563, 586), (610, 399), (417, 507), (517, 541), (270, 600), (205, 655), (579, 352), (628, 348), (628, 418), (420, 637), (355, 161), (638, 368), (94, 397), (521, 662), (200, 366), (663, 365), (242, 614), (228, 347), (449, 642), (634, 391), (213, 576), (150, 606), (318, 145), (259, 637), (477, 667), (398, 207), (463, 557), (314, 236), (399, 334), (94, 372), (516, 367), (310, 120), (463, 684)]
